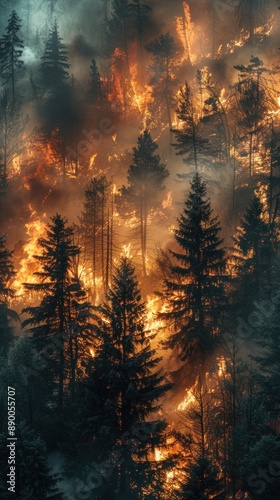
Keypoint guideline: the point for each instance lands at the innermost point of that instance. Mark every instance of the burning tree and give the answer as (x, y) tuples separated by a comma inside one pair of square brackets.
[(62, 319), (97, 227), (195, 289), (56, 104), (145, 182), (163, 51), (201, 473), (11, 129), (122, 392), (253, 99), (251, 13)]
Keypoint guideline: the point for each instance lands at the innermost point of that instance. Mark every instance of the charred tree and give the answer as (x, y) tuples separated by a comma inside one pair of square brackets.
[(96, 226)]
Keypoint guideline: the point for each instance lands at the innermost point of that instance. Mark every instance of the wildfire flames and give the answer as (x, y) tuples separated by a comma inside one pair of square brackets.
[(28, 265)]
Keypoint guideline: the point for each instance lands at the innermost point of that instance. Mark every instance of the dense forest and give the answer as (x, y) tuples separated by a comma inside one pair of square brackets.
[(139, 249)]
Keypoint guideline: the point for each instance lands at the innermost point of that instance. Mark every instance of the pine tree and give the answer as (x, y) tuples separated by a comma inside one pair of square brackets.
[(254, 97), (121, 395), (140, 13), (189, 144), (145, 183), (260, 468), (11, 129), (203, 481), (96, 227), (62, 318), (268, 360), (26, 371), (214, 110), (200, 472), (253, 257), (195, 290), (33, 478), (96, 91), (252, 108), (54, 65), (11, 49), (6, 293), (119, 28)]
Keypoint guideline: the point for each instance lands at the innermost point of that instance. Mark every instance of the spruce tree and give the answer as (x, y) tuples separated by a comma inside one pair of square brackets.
[(202, 481), (253, 257), (189, 144), (61, 320), (11, 49), (95, 91), (6, 293), (97, 231), (120, 398), (145, 183), (195, 289), (268, 360), (54, 65)]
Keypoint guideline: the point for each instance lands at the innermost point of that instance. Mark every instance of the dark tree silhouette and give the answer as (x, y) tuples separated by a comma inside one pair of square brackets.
[(96, 92), (146, 176), (11, 49), (190, 144), (163, 51), (96, 227), (54, 64), (62, 317), (11, 128), (254, 250), (6, 293), (121, 394), (195, 289)]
